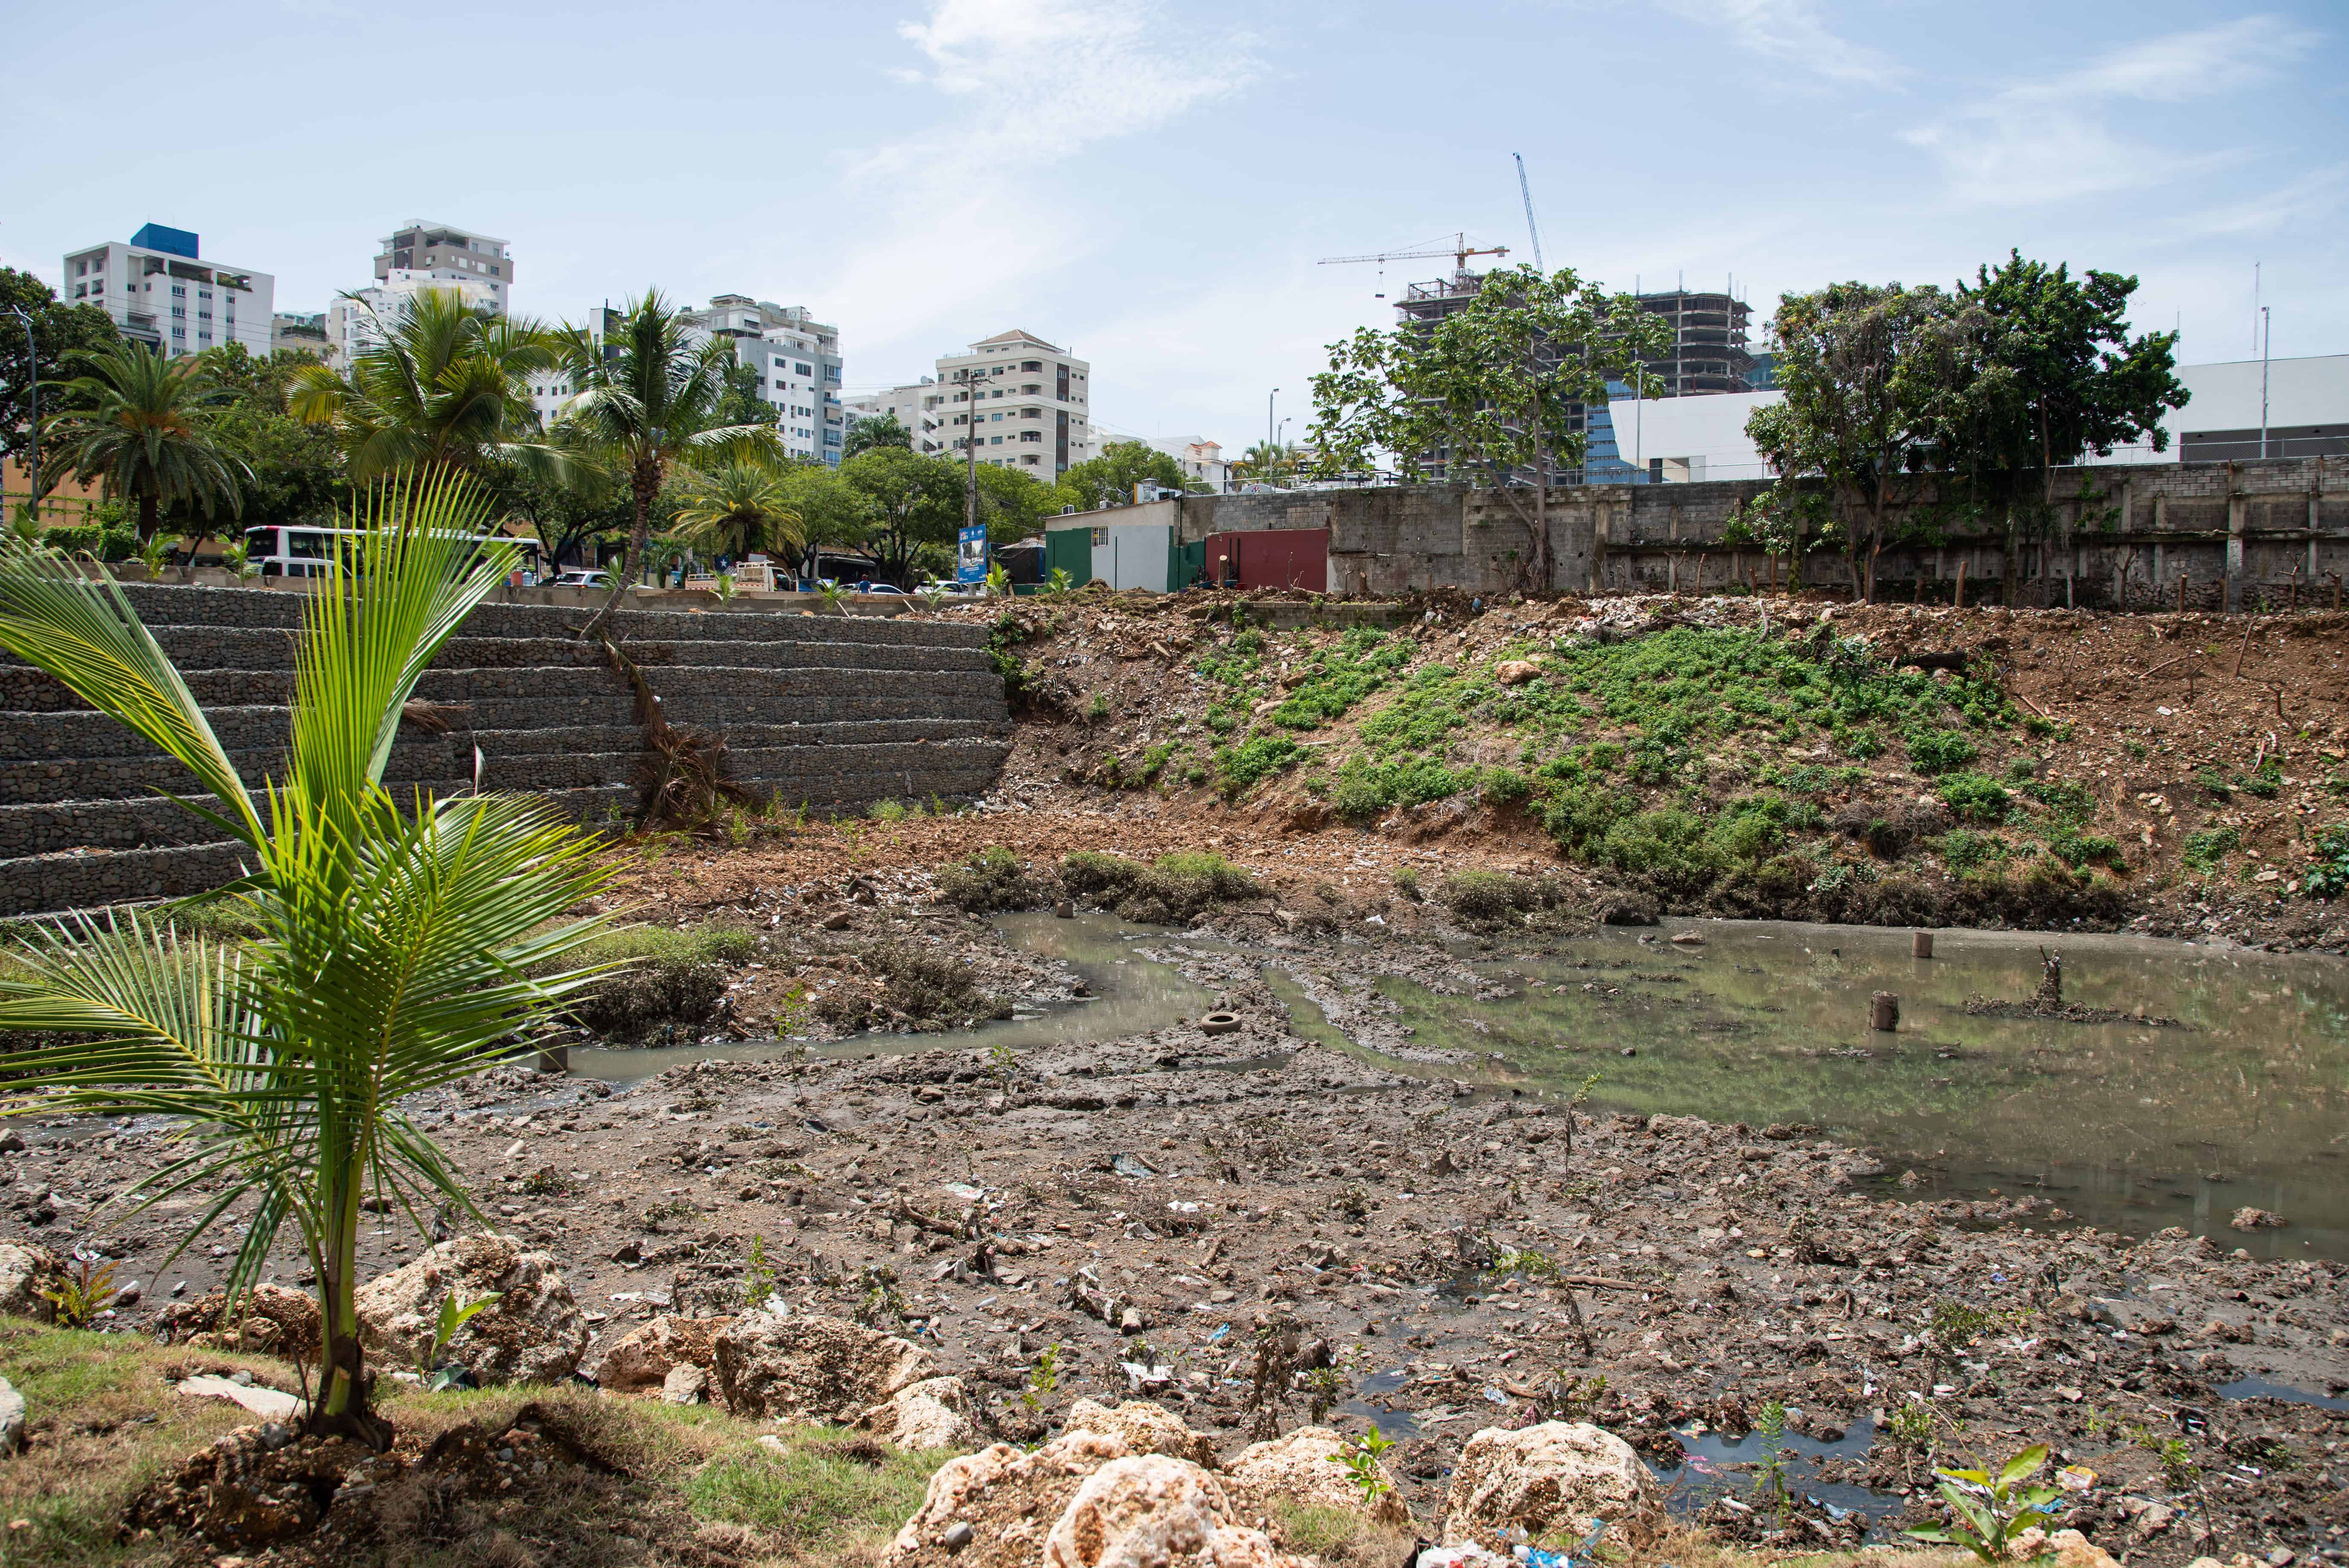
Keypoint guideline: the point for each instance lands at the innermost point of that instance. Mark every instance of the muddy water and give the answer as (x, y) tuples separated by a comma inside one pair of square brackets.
[(2124, 1125), (1131, 996)]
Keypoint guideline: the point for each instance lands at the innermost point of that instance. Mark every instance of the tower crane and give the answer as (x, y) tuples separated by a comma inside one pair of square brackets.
[(1459, 251)]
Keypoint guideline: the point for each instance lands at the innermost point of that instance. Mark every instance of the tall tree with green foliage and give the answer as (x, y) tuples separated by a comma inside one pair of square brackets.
[(1487, 392), (1013, 503), (2035, 369), (912, 503), (744, 401), (447, 385), (137, 424), (58, 329), (833, 512), (395, 936), (875, 430), (1109, 480), (649, 398), (1854, 366), (1270, 462), (296, 469)]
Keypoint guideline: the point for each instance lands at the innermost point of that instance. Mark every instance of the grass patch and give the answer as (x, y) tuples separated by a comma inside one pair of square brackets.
[(826, 1491), (1176, 887), (918, 986), (1975, 797), (1249, 763), (990, 880), (1359, 664), (2206, 852), (673, 974), (1341, 1537)]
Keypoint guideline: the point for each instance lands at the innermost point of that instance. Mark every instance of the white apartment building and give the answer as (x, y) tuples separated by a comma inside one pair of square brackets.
[(798, 364), (1199, 458), (161, 294), (1030, 401), (420, 255)]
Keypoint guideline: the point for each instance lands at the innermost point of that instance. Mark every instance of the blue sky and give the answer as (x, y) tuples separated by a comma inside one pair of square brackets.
[(1153, 184)]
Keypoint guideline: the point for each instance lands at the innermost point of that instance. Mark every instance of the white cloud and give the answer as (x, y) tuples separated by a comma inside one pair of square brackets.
[(956, 221), (2049, 139), (2323, 190), (1793, 33)]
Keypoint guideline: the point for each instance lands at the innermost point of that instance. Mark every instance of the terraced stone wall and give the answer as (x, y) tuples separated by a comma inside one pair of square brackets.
[(831, 711)]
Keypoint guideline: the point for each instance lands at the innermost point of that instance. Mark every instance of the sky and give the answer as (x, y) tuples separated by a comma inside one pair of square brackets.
[(1153, 185)]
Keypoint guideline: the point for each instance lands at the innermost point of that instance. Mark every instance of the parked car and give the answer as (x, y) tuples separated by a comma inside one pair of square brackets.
[(582, 577)]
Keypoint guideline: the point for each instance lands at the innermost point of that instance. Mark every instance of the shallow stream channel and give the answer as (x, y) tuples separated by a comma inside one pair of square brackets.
[(2234, 1094)]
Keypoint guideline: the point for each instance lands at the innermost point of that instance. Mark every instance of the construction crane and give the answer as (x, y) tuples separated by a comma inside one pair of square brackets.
[(1459, 251), (1525, 188)]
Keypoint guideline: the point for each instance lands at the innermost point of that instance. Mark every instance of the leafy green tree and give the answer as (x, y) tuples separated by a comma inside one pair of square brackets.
[(875, 430), (1013, 503), (136, 423), (2036, 367), (734, 509), (58, 330), (912, 502), (1109, 478), (446, 385), (296, 469), (833, 512), (1269, 462), (568, 517), (395, 937), (649, 398), (1854, 367), (1488, 392)]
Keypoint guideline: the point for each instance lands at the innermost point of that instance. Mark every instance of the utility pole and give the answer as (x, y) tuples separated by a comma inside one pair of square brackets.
[(2263, 381), (33, 397)]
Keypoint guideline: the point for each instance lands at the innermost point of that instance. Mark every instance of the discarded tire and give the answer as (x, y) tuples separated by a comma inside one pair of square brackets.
[(1220, 1024)]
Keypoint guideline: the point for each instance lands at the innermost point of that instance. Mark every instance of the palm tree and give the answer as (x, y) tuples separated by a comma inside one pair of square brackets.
[(650, 398), (396, 937), (134, 423), (1267, 460), (733, 509), (445, 384)]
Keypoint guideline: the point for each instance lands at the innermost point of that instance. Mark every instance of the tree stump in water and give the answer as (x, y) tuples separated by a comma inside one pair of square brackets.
[(2050, 995)]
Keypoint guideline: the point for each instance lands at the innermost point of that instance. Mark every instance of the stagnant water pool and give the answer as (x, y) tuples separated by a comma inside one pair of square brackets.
[(2245, 1102), (2128, 1126)]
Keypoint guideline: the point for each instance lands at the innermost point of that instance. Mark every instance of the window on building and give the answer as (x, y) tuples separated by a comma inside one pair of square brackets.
[(1031, 365), (997, 416), (82, 269), (179, 291), (995, 441), (1032, 460), (804, 369)]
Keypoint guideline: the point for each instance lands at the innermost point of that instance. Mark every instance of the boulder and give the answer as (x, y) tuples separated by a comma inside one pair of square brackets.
[(1150, 1509), (685, 1384), (826, 1368), (2069, 1548), (1558, 1477), (25, 1271), (534, 1334), (1302, 1470), (270, 1319), (641, 1360), (2250, 1219), (1144, 1429), (1516, 672), (932, 1414), (1082, 1501), (12, 1418)]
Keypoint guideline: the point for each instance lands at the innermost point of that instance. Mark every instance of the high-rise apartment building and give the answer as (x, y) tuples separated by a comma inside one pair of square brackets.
[(798, 364), (163, 294), (478, 268), (1028, 402)]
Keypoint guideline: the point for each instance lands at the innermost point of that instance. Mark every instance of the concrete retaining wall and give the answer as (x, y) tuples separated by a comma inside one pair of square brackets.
[(831, 711)]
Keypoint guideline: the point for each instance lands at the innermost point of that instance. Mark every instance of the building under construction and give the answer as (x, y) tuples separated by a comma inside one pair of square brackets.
[(1709, 355)]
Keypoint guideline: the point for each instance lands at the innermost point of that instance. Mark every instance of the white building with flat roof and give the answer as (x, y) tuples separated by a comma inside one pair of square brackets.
[(1029, 401), (161, 292), (419, 256), (1199, 458)]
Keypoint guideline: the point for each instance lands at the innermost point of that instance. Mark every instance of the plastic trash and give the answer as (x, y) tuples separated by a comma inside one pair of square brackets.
[(1127, 1165)]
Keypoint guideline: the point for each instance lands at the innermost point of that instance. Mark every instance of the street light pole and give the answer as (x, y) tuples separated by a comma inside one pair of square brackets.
[(1268, 440), (32, 397), (968, 377), (2263, 381)]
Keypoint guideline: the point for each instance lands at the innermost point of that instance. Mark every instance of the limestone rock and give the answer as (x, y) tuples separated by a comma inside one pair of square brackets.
[(534, 1334), (1144, 1429), (25, 1271), (2250, 1219), (932, 1414), (769, 1366), (1082, 1501), (1298, 1469), (12, 1418), (2069, 1548), (641, 1360), (685, 1384), (1516, 672), (1558, 1477), (270, 1319)]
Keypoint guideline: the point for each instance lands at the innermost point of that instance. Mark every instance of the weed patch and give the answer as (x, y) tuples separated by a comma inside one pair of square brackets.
[(1178, 887), (670, 976), (990, 880)]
